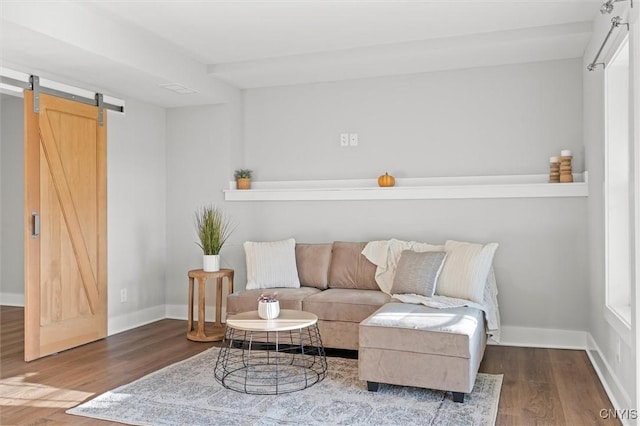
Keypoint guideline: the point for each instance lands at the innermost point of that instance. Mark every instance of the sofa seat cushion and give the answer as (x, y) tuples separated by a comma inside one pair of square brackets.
[(247, 300), (347, 305), (421, 329)]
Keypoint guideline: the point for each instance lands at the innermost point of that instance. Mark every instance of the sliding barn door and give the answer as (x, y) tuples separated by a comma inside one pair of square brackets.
[(65, 226)]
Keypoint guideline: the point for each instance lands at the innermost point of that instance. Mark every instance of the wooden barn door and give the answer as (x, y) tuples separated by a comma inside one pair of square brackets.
[(65, 225)]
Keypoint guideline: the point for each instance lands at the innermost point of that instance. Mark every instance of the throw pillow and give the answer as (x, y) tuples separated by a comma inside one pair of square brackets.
[(386, 254), (466, 270), (271, 264), (418, 273)]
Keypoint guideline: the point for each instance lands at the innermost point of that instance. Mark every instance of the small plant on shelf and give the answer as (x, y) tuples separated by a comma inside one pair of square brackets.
[(243, 178), (268, 298), (242, 173)]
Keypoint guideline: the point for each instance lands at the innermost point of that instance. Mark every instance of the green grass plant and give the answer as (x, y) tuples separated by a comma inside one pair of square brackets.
[(213, 229)]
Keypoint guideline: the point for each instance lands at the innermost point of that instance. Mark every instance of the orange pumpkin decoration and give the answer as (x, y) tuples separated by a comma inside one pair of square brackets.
[(386, 180)]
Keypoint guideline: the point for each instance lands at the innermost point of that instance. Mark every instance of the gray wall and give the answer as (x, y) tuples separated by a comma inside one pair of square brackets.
[(495, 120), (137, 196), (12, 196), (203, 148)]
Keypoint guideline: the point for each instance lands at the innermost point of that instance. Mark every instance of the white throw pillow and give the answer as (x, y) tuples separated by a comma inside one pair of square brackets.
[(271, 264), (465, 270)]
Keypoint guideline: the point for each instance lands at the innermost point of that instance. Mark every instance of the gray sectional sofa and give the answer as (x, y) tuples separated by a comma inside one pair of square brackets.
[(398, 343)]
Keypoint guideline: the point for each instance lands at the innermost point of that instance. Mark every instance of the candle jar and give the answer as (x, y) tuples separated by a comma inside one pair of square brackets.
[(554, 170), (566, 172)]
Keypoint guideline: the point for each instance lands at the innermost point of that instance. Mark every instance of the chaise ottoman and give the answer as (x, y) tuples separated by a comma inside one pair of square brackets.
[(415, 345)]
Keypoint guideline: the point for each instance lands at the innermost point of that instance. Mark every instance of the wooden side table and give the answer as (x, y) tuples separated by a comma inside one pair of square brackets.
[(215, 332)]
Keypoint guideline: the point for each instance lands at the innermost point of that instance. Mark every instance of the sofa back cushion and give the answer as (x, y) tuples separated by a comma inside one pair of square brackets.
[(313, 262), (350, 269)]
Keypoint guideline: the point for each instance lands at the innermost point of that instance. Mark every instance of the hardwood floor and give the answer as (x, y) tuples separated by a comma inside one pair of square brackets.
[(540, 387), (546, 387)]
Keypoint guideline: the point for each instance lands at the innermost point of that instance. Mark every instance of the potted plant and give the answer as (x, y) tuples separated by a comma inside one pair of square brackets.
[(268, 306), (213, 229), (243, 178)]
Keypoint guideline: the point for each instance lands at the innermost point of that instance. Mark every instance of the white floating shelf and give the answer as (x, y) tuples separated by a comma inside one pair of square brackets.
[(439, 188)]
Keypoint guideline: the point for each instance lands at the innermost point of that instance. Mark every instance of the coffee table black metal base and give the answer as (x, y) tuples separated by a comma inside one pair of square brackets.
[(271, 362)]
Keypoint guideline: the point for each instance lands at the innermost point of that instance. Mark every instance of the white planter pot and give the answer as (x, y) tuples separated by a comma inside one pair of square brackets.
[(269, 310), (211, 262)]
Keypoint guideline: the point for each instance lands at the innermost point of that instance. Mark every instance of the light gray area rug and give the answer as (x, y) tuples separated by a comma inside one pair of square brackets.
[(186, 393)]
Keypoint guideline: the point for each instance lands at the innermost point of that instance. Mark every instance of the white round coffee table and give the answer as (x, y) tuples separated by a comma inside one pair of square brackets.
[(269, 357)]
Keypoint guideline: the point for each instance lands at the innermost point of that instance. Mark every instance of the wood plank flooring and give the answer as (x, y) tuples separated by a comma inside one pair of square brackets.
[(541, 386)]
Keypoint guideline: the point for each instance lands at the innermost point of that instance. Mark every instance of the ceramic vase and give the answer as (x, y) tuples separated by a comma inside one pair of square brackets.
[(211, 262), (269, 310)]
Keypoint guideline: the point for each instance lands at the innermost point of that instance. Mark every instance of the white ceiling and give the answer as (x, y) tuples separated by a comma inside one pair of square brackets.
[(129, 48)]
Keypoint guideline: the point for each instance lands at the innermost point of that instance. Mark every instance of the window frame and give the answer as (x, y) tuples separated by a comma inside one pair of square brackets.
[(618, 315)]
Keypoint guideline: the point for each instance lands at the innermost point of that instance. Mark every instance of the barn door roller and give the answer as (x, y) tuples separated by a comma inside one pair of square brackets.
[(34, 85)]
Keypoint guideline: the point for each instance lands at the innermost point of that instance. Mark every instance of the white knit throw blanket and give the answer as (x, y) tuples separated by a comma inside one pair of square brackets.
[(385, 255)]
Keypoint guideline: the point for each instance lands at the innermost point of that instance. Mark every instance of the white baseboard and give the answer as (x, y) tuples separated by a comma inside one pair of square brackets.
[(135, 319), (542, 338), (180, 312), (12, 299), (177, 312), (620, 399)]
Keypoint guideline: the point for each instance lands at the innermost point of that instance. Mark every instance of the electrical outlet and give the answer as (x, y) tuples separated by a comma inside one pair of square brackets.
[(123, 295), (353, 139), (344, 139)]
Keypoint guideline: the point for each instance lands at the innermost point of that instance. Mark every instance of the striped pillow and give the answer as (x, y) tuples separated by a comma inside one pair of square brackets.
[(418, 272), (271, 264), (466, 270)]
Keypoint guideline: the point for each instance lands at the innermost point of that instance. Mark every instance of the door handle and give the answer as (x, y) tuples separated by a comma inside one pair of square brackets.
[(35, 217)]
